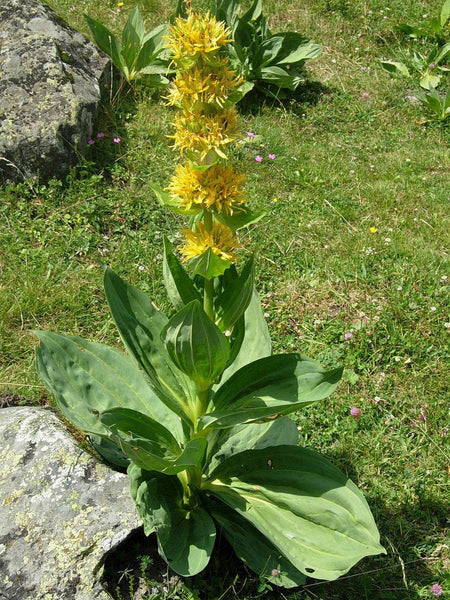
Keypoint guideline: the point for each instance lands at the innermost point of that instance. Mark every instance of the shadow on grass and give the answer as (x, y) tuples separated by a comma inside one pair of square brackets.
[(309, 93)]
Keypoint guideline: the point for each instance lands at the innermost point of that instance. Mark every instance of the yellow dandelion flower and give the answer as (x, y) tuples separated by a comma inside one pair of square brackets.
[(203, 133), (197, 35), (373, 230), (220, 239), (218, 188)]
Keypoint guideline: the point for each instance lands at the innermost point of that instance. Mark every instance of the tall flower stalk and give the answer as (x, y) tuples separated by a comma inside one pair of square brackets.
[(205, 184), (197, 413)]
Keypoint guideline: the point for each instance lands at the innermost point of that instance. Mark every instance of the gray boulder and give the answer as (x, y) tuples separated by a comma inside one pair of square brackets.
[(61, 511), (49, 91)]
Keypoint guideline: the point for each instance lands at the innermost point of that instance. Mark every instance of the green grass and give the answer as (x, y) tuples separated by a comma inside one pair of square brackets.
[(353, 155)]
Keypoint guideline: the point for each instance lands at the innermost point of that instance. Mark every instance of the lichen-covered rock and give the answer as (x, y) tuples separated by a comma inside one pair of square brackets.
[(61, 511), (49, 91)]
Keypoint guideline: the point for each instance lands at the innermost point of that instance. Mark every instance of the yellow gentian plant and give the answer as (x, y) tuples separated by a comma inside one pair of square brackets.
[(197, 411)]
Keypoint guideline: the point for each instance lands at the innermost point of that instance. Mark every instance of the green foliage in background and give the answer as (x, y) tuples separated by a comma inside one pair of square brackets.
[(137, 53), (263, 58)]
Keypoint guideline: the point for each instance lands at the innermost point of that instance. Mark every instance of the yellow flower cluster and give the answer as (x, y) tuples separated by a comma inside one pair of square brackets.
[(219, 238), (197, 35), (204, 135), (218, 188), (205, 127), (195, 88)]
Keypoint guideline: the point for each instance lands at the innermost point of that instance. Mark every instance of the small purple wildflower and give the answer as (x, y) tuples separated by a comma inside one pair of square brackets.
[(365, 94), (116, 140), (91, 142), (250, 134), (355, 412), (348, 335), (272, 156), (100, 135), (436, 590), (431, 66), (258, 158), (423, 416), (363, 68)]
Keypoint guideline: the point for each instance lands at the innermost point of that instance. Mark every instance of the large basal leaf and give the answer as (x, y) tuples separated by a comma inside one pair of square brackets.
[(180, 287), (185, 537), (140, 325), (186, 543), (253, 548), (256, 339), (88, 378), (196, 345), (253, 436), (308, 509), (268, 388)]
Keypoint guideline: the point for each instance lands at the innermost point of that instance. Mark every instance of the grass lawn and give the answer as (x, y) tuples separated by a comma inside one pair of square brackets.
[(352, 267)]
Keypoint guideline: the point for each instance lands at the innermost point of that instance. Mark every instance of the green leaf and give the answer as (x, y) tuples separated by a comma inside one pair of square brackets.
[(253, 436), (186, 543), (151, 48), (109, 451), (140, 325), (145, 441), (432, 102), (445, 13), (233, 301), (209, 265), (185, 537), (106, 41), (256, 339), (132, 35), (196, 345), (88, 378), (429, 80), (316, 518), (150, 445), (280, 77), (440, 54), (394, 68), (239, 220), (280, 375), (253, 548), (268, 388), (166, 199), (180, 287), (297, 49)]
